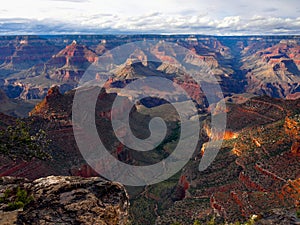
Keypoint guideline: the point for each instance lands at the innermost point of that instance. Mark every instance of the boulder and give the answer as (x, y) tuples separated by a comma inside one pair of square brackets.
[(67, 200)]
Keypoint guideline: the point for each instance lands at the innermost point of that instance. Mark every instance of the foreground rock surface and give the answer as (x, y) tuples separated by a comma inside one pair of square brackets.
[(67, 200)]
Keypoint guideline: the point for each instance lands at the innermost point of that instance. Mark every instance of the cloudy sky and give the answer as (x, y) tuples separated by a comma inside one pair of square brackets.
[(217, 17)]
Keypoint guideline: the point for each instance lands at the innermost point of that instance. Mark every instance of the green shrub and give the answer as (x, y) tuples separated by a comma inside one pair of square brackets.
[(212, 221), (15, 205), (20, 141), (22, 196), (6, 195), (16, 200), (298, 213), (197, 222)]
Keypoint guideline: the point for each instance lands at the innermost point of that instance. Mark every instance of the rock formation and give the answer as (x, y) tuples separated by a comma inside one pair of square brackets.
[(66, 200), (274, 71)]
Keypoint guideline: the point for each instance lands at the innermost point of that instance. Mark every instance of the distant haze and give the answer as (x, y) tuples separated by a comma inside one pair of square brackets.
[(214, 17)]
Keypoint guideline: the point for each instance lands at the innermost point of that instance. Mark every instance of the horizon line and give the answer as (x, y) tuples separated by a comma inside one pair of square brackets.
[(150, 34)]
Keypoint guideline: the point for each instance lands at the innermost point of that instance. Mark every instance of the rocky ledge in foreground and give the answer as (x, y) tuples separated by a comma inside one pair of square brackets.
[(62, 200)]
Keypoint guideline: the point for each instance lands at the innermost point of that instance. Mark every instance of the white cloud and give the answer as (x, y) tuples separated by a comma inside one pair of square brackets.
[(230, 21), (167, 16)]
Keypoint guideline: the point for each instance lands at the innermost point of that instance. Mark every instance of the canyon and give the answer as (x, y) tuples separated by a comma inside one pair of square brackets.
[(256, 171), (30, 65)]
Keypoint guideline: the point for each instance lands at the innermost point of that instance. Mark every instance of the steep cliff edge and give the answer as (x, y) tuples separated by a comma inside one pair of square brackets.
[(64, 200)]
